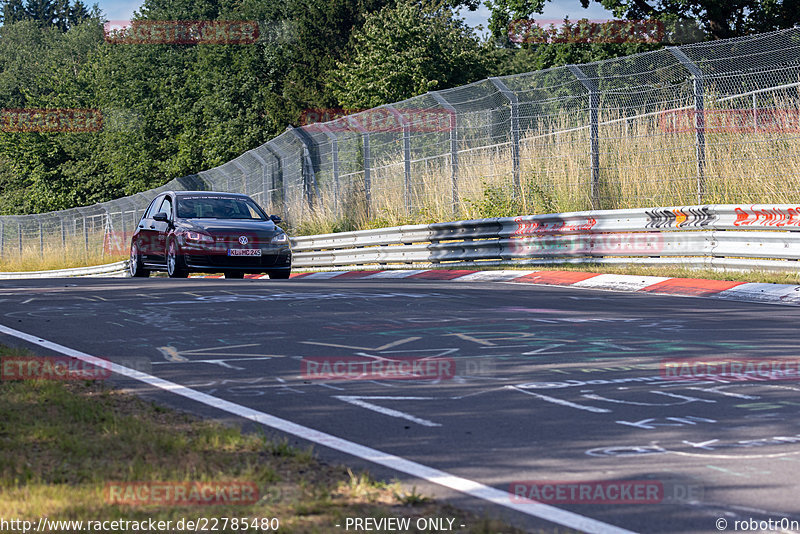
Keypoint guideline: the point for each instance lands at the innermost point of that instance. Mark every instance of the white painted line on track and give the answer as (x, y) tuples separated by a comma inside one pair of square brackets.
[(430, 474), (620, 282), (396, 273), (322, 275)]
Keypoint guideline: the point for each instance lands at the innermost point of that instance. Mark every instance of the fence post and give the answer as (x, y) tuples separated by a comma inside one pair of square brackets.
[(335, 162), (2, 236), (442, 101), (283, 164), (699, 118), (409, 200), (85, 235), (19, 237), (367, 177), (264, 189), (309, 178), (514, 103), (63, 233), (594, 132), (41, 238)]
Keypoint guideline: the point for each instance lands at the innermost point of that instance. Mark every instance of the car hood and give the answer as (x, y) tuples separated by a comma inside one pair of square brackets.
[(227, 226)]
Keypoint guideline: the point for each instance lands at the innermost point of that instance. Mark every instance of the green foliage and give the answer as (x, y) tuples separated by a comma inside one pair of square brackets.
[(407, 50), (500, 200), (718, 19)]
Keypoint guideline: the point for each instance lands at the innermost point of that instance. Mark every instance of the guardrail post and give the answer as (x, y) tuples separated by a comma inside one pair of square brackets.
[(334, 161), (514, 103), (594, 132), (442, 101), (409, 200), (309, 178), (699, 117)]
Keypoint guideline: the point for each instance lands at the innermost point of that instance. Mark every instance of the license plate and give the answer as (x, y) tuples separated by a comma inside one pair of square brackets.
[(244, 252)]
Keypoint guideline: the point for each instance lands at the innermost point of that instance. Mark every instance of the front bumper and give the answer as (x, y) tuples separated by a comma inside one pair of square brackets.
[(272, 258)]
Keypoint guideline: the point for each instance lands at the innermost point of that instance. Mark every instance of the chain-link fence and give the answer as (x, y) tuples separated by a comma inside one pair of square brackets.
[(715, 122)]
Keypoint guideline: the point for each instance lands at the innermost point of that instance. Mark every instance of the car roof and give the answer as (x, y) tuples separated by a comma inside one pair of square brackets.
[(207, 193)]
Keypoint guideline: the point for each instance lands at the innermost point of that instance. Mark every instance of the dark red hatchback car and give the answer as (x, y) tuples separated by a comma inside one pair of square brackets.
[(202, 231)]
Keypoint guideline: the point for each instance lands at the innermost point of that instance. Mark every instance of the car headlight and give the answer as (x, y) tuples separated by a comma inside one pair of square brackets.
[(198, 237), (280, 238)]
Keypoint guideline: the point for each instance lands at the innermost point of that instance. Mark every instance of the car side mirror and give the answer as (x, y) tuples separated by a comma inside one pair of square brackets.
[(275, 219), (160, 216)]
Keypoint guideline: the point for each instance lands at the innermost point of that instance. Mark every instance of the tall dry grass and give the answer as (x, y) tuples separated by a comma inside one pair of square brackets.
[(642, 164)]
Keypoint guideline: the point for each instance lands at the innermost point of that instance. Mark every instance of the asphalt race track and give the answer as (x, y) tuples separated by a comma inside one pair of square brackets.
[(532, 383)]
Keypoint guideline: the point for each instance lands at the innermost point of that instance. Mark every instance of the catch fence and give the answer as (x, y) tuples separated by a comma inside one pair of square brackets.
[(714, 122)]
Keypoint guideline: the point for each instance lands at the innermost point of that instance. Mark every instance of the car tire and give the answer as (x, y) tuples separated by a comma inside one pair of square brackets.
[(283, 274), (176, 262), (136, 266), (235, 275)]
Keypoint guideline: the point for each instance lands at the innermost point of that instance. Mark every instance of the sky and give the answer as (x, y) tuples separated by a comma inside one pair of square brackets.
[(555, 10)]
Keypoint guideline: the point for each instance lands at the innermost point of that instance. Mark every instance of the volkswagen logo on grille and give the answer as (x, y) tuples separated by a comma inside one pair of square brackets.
[(243, 240)]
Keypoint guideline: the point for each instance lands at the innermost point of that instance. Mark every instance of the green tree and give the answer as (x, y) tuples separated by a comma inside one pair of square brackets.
[(719, 19), (405, 51)]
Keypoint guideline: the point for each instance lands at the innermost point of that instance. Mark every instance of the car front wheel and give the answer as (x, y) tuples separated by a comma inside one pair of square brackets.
[(234, 274), (136, 267), (176, 263), (283, 274)]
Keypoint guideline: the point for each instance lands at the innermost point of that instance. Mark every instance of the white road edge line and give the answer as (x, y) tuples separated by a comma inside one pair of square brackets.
[(464, 485)]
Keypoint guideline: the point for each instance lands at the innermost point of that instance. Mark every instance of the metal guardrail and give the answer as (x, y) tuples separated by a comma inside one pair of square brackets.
[(762, 237), (117, 269), (732, 237)]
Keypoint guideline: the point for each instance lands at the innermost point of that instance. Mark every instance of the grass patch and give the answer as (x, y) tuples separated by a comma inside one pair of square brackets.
[(61, 443)]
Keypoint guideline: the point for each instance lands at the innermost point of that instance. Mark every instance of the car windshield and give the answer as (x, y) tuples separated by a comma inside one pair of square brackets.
[(207, 207)]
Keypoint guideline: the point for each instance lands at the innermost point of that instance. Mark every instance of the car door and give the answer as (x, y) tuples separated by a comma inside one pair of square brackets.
[(147, 231), (162, 229)]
